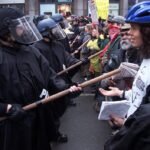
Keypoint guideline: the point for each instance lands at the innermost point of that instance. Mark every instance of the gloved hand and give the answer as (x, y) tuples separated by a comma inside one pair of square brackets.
[(16, 112), (85, 60), (75, 91)]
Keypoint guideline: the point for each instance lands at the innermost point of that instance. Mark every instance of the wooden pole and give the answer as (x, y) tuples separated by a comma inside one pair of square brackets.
[(65, 92), (74, 41), (76, 51), (77, 64), (80, 62)]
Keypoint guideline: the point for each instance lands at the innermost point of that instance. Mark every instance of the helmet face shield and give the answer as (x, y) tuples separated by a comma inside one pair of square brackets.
[(58, 33), (24, 31)]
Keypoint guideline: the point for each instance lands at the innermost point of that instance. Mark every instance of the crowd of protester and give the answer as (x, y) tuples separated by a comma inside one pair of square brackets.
[(31, 60)]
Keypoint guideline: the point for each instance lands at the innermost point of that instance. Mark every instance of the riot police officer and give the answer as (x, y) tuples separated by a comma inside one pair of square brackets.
[(25, 77), (59, 19), (58, 59)]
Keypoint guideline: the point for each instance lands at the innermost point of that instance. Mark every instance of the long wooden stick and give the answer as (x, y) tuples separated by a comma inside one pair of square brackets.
[(80, 62), (65, 92), (74, 41), (69, 68), (76, 51), (77, 64)]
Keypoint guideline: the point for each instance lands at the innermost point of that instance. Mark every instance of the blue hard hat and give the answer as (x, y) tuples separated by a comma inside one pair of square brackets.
[(139, 13), (45, 25), (57, 18), (49, 28)]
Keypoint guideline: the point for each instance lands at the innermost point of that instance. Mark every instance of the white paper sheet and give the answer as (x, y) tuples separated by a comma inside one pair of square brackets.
[(118, 108)]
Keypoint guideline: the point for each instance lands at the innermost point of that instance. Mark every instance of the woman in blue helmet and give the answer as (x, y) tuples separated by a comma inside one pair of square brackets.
[(135, 133), (139, 18)]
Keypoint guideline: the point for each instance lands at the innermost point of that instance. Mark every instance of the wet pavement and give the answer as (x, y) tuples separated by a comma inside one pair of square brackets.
[(80, 123)]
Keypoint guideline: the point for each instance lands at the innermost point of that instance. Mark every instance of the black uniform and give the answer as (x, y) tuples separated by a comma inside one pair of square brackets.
[(58, 58), (25, 77), (55, 53), (65, 43), (135, 134)]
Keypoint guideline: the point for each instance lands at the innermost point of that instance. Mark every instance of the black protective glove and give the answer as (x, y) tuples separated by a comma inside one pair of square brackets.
[(16, 112), (85, 60), (3, 108)]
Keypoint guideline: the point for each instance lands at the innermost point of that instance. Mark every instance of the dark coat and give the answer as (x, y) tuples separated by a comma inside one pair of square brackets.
[(122, 56), (114, 47), (24, 73), (65, 43), (57, 57), (135, 134)]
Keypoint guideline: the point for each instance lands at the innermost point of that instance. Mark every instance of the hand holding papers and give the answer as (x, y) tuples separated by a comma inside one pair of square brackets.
[(118, 108)]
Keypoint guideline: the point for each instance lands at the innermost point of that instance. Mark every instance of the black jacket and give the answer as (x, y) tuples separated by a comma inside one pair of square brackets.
[(122, 56), (65, 43), (24, 74), (135, 134), (57, 57)]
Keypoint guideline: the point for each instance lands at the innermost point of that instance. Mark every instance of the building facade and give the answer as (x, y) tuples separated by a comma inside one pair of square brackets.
[(78, 7), (55, 6), (13, 3)]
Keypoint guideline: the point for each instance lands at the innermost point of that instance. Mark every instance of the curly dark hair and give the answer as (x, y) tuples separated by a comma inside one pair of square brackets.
[(145, 49)]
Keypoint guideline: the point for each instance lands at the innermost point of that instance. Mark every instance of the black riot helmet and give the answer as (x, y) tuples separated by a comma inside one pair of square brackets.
[(20, 27), (6, 15), (49, 28)]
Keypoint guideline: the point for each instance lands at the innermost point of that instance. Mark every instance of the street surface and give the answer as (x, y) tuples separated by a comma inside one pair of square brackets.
[(84, 130)]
